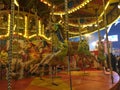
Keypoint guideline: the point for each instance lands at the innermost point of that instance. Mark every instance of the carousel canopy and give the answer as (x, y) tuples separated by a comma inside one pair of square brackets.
[(86, 13)]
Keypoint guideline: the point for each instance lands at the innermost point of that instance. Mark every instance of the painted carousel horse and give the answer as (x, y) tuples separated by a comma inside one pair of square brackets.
[(51, 56)]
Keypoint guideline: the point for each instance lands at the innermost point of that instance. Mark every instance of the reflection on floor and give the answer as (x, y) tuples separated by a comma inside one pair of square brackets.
[(88, 80)]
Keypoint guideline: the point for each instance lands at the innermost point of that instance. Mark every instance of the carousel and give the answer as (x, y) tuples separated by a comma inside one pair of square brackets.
[(37, 50)]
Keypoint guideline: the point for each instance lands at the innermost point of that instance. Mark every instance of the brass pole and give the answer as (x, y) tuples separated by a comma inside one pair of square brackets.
[(67, 36), (18, 13), (107, 41), (52, 40), (79, 27), (10, 44), (99, 37), (18, 20)]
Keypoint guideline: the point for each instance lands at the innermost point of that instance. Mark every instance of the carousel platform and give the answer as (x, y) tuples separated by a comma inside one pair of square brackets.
[(81, 80)]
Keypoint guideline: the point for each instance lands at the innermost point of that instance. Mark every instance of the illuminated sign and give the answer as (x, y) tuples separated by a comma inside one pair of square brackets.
[(113, 38)]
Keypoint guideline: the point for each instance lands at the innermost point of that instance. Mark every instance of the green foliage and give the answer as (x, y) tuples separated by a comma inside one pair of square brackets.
[(101, 56), (83, 47)]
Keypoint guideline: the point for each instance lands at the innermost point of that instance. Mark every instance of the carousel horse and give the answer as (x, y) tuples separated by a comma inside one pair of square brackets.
[(43, 51), (59, 47), (33, 52), (58, 32), (47, 59), (36, 53), (61, 53)]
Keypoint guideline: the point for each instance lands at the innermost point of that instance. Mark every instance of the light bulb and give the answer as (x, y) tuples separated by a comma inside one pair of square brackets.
[(119, 5)]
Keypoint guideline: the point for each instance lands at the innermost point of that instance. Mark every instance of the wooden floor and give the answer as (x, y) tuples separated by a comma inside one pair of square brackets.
[(88, 80)]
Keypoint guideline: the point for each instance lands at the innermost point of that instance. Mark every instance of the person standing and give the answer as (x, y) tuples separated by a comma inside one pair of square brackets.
[(113, 62), (118, 66)]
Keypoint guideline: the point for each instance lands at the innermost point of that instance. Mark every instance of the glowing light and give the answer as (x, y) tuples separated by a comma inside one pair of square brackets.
[(119, 5), (45, 37), (8, 25), (107, 5), (80, 6), (87, 35), (105, 8), (20, 34), (26, 27), (96, 25), (94, 43), (32, 36), (90, 24), (16, 3), (47, 3), (84, 25), (74, 9), (14, 27), (39, 27), (77, 8)]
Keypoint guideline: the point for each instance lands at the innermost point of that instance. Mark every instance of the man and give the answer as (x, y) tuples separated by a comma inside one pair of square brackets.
[(118, 66)]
